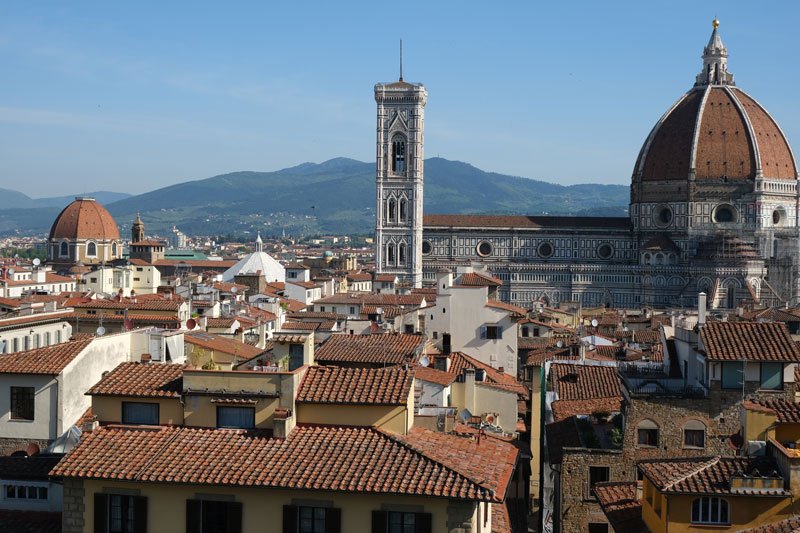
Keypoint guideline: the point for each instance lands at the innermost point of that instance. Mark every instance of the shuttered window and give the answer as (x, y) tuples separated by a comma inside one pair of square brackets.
[(401, 522), (120, 513), (309, 519), (211, 516)]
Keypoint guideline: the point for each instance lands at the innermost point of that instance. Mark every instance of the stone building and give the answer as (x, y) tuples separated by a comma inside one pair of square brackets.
[(714, 203)]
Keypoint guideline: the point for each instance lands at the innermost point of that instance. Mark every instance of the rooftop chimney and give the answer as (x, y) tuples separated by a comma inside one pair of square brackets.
[(701, 308)]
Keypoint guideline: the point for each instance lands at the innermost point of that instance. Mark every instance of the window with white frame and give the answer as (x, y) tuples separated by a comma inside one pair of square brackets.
[(710, 510)]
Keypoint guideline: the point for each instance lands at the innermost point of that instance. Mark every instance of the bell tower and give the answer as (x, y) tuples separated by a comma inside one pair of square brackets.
[(399, 178), (137, 229)]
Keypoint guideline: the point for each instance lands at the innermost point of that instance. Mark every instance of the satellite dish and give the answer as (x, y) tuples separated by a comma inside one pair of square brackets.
[(424, 361), (560, 344), (191, 323), (37, 261), (594, 322), (592, 347), (11, 271), (100, 331), (233, 290), (464, 415)]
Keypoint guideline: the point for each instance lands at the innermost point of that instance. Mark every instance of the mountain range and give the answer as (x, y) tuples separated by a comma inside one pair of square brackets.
[(337, 196)]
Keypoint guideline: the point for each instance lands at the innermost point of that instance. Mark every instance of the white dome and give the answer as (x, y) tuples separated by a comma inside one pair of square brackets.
[(255, 262)]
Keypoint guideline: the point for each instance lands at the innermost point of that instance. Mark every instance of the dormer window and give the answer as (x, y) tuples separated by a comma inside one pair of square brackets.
[(398, 154)]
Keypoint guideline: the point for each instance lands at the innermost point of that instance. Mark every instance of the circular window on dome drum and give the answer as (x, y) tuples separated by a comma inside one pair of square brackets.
[(724, 213), (484, 248), (605, 251), (545, 250), (663, 216), (778, 217), (426, 247)]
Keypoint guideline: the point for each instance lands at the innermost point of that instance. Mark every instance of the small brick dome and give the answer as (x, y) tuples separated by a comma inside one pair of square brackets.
[(85, 219)]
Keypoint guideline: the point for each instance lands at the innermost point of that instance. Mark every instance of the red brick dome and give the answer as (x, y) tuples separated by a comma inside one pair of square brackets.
[(85, 219), (715, 132)]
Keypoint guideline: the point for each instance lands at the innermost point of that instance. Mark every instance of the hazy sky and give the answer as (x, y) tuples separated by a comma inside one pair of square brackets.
[(131, 96)]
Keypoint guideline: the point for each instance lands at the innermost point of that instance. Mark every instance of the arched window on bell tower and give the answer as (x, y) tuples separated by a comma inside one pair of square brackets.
[(391, 210), (403, 209), (390, 254), (401, 254), (398, 153)]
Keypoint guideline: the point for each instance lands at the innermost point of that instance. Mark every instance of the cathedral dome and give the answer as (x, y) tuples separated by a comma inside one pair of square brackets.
[(85, 219), (715, 131)]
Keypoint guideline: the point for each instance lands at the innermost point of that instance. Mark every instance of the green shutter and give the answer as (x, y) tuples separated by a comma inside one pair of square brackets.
[(379, 522), (289, 519), (234, 512), (333, 520), (139, 514), (772, 376), (193, 516), (100, 512)]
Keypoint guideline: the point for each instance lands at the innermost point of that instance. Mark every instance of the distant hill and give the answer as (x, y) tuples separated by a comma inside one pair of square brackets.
[(338, 196), (10, 199)]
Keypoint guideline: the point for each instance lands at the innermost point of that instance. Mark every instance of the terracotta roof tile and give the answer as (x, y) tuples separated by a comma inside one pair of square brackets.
[(563, 409), (460, 361), (788, 525), (145, 304), (479, 279), (50, 360), (320, 458), (707, 475), (495, 304), (524, 222), (290, 337), (432, 375), (585, 382), (143, 380), (753, 341), (38, 318), (332, 384), (622, 507), (391, 348), (221, 344), (786, 411)]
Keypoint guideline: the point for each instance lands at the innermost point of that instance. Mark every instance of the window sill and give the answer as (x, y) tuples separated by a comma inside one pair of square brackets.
[(693, 447), (23, 420), (710, 526), (647, 446), (771, 391)]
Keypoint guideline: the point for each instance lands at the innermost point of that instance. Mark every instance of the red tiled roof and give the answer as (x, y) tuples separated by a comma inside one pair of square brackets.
[(141, 304), (707, 475), (752, 341), (221, 344), (359, 276), (786, 411), (302, 326), (222, 322), (391, 348), (142, 380), (149, 242), (84, 219), (788, 525), (196, 263), (288, 337), (432, 375), (524, 222), (50, 360), (619, 502), (563, 409), (460, 361), (377, 386), (319, 458), (495, 304), (479, 279), (373, 299), (386, 278), (585, 382), (38, 318)]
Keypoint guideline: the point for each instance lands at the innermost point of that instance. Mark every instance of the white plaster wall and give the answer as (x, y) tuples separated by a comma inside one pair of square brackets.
[(101, 355), (53, 502), (39, 329), (433, 394), (493, 400), (44, 424)]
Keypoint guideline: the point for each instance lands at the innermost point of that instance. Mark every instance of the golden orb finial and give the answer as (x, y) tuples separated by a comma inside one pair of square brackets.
[(715, 23)]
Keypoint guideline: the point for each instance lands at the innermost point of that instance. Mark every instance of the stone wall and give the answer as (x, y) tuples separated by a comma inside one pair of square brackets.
[(578, 508), (9, 446), (72, 520)]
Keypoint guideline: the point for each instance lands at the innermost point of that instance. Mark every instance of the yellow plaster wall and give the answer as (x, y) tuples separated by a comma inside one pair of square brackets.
[(758, 426), (200, 412), (262, 508), (108, 409), (389, 417), (745, 512)]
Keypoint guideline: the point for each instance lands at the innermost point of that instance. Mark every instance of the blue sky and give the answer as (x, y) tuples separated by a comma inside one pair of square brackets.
[(131, 96)]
